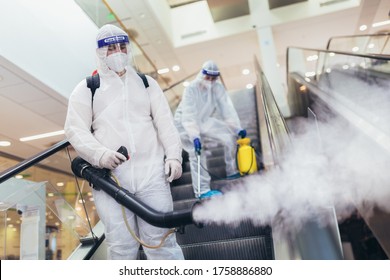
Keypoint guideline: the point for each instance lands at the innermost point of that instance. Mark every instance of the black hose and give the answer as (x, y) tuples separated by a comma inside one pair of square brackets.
[(100, 179)]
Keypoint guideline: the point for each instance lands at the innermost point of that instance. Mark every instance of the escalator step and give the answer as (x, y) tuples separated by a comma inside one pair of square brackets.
[(239, 249), (193, 234), (183, 180), (182, 192), (256, 248)]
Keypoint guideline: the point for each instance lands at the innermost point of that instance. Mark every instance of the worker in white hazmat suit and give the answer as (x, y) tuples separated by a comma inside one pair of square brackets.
[(206, 111), (125, 113)]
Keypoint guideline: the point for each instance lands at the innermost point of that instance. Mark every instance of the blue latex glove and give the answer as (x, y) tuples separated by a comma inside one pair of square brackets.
[(242, 133), (197, 145)]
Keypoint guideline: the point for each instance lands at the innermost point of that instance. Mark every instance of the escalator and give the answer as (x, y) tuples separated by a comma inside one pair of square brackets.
[(348, 91), (79, 234), (241, 240)]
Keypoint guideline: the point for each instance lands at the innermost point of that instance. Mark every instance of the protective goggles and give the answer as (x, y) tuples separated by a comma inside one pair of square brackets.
[(113, 40), (213, 73)]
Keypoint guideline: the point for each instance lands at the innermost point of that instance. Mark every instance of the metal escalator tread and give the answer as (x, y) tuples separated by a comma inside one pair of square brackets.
[(254, 248), (181, 192), (211, 233)]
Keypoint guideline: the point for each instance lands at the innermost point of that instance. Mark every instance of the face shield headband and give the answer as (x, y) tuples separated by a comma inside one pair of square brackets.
[(212, 73), (113, 40)]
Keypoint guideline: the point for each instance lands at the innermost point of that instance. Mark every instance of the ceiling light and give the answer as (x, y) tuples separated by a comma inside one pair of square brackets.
[(381, 23), (249, 86), (44, 135), (185, 84), (245, 71), (363, 27), (312, 57), (175, 68), (163, 71), (5, 143), (60, 184), (310, 74), (355, 49)]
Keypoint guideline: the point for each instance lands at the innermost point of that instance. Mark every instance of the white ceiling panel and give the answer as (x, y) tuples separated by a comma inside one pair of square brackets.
[(22, 93), (24, 122), (7, 78), (135, 6), (58, 117), (45, 107), (121, 10)]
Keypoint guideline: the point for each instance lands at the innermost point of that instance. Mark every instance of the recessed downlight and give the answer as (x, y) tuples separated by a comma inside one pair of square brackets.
[(5, 143)]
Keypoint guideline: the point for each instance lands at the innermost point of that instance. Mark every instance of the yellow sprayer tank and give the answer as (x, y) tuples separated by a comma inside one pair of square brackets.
[(246, 157)]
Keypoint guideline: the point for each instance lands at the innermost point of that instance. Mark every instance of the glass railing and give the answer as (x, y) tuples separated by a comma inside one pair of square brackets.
[(274, 132), (349, 92), (45, 212), (349, 77), (361, 44)]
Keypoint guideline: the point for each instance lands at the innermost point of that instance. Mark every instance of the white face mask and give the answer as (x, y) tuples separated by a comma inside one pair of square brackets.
[(206, 85), (117, 61)]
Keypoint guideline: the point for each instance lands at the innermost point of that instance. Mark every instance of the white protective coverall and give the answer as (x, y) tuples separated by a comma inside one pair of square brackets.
[(125, 113), (207, 112)]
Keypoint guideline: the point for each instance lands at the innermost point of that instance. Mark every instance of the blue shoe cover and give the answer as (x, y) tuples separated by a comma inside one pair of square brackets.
[(210, 194), (234, 176)]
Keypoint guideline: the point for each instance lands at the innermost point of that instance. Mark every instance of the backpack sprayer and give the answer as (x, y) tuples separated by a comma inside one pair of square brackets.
[(246, 157)]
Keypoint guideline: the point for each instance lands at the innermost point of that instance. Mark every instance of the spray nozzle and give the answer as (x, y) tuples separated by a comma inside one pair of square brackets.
[(197, 146), (122, 150), (242, 133)]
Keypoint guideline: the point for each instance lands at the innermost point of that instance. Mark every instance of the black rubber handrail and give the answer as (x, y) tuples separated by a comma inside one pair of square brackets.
[(27, 163)]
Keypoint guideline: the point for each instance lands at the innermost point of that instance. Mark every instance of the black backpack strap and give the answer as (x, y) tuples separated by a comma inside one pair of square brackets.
[(93, 82), (144, 79)]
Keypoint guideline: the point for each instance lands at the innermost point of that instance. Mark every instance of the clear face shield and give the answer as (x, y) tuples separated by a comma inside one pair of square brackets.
[(114, 51), (208, 78)]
